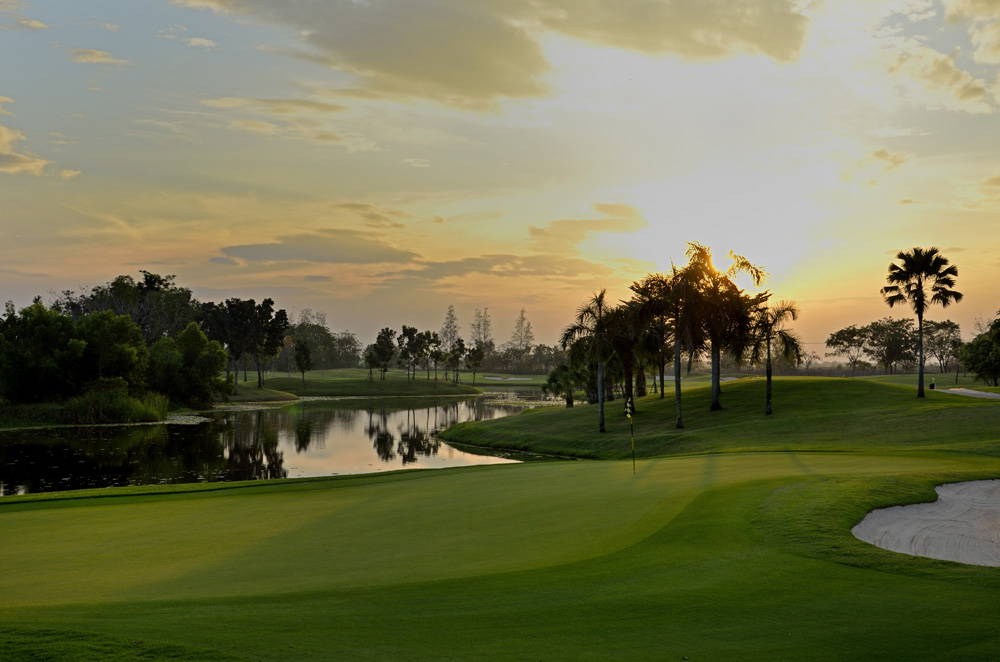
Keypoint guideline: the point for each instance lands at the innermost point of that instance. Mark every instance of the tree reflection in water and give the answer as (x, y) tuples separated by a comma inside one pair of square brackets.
[(324, 437)]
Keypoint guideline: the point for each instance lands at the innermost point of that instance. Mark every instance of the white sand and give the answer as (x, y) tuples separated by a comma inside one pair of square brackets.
[(963, 525), (988, 395)]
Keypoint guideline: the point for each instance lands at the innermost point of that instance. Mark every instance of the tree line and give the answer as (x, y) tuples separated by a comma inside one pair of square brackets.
[(131, 340), (447, 351)]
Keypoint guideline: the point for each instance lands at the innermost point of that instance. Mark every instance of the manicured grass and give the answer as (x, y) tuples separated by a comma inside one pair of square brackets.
[(248, 392), (733, 556), (366, 388), (718, 555), (942, 381), (811, 413)]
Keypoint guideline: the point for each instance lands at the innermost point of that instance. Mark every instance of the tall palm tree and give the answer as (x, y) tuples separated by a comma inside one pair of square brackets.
[(591, 324), (625, 325), (723, 309), (908, 282), (769, 334)]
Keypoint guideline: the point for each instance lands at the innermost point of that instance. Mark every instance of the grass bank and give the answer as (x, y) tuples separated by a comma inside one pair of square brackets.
[(811, 413), (366, 388)]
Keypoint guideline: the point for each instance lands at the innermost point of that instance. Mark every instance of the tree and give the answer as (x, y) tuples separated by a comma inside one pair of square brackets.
[(455, 356), (908, 281), (186, 368), (890, 342), (590, 327), (941, 340), (114, 348), (408, 349), (40, 355), (449, 330), (562, 382), (849, 342), (723, 310), (473, 360), (769, 335), (481, 330), (808, 359), (981, 355), (384, 350), (303, 358), (625, 325), (155, 303), (267, 334), (232, 324)]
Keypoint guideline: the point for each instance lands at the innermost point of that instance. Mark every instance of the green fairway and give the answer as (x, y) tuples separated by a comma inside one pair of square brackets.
[(721, 555), (811, 413)]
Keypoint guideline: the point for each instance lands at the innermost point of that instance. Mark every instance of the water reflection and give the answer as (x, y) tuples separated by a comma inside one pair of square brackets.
[(313, 438)]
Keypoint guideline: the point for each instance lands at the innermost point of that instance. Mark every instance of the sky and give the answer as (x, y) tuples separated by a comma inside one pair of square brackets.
[(378, 160)]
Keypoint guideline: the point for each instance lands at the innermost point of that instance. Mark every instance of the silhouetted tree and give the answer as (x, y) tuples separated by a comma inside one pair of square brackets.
[(920, 269)]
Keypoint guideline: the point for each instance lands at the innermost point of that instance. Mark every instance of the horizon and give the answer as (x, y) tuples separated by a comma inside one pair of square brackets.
[(501, 157)]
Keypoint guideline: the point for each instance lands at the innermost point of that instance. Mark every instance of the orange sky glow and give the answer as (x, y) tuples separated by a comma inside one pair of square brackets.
[(381, 160)]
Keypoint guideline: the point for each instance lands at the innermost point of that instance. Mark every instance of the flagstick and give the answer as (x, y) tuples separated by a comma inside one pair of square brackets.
[(631, 427)]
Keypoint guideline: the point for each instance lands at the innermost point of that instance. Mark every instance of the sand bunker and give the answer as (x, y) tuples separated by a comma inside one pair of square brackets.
[(963, 525)]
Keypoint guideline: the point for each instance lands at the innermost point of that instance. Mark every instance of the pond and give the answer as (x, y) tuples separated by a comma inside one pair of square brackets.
[(317, 437)]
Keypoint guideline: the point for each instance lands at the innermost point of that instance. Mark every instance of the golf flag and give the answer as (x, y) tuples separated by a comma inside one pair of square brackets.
[(629, 410)]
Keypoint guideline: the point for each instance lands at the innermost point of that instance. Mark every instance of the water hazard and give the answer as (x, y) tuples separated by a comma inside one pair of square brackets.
[(308, 438)]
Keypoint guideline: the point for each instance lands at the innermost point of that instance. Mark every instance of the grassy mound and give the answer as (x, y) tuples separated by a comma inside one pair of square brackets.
[(366, 388), (811, 413)]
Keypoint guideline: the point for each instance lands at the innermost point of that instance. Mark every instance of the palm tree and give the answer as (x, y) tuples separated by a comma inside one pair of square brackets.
[(908, 282), (625, 325), (591, 325), (769, 334), (722, 307)]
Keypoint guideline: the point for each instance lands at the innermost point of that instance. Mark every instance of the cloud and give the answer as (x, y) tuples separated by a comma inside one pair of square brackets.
[(908, 201), (505, 266), (897, 132), (564, 235), (218, 259), (93, 56), (892, 160), (315, 278), (31, 24), (984, 26), (373, 216), (473, 54), (332, 246), (255, 126), (12, 162), (274, 106), (69, 174), (992, 182), (941, 80), (200, 42), (4, 111), (110, 27), (416, 163)]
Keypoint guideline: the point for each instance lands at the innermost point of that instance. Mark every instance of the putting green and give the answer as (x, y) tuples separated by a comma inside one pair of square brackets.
[(724, 556)]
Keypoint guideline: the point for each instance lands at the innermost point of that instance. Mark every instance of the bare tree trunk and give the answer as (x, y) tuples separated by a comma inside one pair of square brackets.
[(677, 385), (716, 377), (600, 397), (920, 356), (663, 370), (767, 410)]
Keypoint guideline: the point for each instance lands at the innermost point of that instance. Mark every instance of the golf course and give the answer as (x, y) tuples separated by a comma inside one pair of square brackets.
[(730, 541)]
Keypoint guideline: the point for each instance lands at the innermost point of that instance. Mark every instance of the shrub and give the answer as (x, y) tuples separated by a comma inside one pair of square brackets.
[(108, 401)]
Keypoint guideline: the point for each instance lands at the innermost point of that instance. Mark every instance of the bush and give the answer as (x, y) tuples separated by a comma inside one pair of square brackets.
[(108, 401)]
